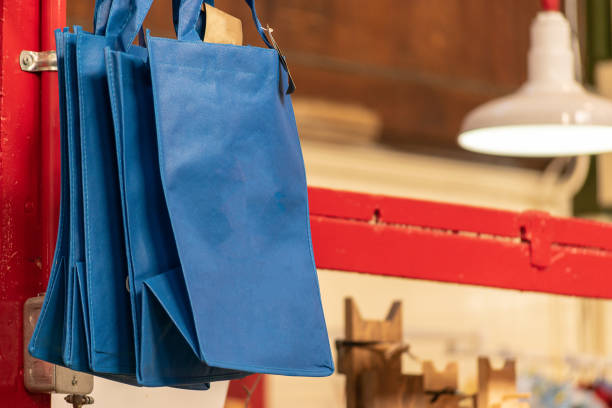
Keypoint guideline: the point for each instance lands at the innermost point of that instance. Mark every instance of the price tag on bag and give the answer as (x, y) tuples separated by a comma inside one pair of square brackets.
[(221, 27)]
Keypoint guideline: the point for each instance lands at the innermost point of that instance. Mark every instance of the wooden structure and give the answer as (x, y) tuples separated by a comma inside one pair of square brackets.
[(371, 348), (370, 356)]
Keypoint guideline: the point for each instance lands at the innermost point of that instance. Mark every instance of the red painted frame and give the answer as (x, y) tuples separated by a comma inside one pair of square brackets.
[(29, 179), (406, 238), (53, 16), (21, 275)]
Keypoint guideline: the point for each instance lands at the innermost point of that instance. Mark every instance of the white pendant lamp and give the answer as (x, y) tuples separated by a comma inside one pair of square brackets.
[(551, 114)]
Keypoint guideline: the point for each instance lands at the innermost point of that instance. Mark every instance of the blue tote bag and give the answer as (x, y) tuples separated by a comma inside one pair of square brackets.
[(104, 263), (76, 334), (53, 339), (163, 356), (62, 335), (110, 321), (72, 289), (233, 179), (48, 337)]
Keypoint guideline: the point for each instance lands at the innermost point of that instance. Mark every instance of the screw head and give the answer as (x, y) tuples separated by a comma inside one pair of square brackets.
[(27, 59)]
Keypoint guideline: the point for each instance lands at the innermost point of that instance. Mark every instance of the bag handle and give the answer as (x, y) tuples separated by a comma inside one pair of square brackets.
[(125, 19), (189, 20), (101, 13), (176, 4), (190, 23)]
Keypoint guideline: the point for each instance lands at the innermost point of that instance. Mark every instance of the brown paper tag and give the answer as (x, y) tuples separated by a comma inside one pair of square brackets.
[(221, 27)]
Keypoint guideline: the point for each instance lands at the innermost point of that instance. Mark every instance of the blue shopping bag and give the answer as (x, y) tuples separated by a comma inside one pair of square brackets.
[(233, 179), (163, 357), (249, 301), (110, 327), (69, 268), (67, 301), (77, 353), (48, 337), (53, 340)]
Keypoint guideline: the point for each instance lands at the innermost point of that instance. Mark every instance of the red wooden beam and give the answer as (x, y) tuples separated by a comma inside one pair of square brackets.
[(416, 239), (21, 275)]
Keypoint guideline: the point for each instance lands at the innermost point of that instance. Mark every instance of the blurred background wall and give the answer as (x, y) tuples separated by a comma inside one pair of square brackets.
[(420, 64)]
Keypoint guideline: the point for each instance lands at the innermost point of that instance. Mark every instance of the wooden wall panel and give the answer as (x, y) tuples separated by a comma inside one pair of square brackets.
[(422, 64)]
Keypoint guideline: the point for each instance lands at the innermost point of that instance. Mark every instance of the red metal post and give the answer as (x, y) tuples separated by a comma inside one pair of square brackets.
[(53, 16), (21, 274)]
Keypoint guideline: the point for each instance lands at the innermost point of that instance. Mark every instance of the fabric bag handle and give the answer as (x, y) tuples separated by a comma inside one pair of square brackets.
[(176, 5), (189, 20), (125, 19), (190, 23), (101, 13)]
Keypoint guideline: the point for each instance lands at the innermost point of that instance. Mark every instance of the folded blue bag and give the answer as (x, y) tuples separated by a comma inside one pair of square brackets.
[(54, 338), (184, 252), (163, 357), (48, 337), (111, 337), (62, 334), (233, 178)]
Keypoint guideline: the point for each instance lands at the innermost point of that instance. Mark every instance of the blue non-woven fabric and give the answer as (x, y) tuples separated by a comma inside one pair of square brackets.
[(60, 336), (111, 333), (163, 357), (68, 267), (53, 339), (76, 328), (48, 337), (65, 309), (108, 300), (233, 179), (242, 295), (62, 333)]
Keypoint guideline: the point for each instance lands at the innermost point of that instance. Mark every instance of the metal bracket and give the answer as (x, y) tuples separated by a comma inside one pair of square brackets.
[(32, 61), (40, 376)]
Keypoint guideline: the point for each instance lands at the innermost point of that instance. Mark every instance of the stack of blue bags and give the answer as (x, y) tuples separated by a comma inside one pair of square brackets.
[(183, 253)]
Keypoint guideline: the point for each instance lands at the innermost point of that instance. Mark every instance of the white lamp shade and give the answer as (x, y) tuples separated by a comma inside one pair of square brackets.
[(551, 115), (540, 124)]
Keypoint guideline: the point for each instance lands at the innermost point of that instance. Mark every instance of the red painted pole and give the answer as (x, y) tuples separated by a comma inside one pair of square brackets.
[(53, 16), (21, 275)]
